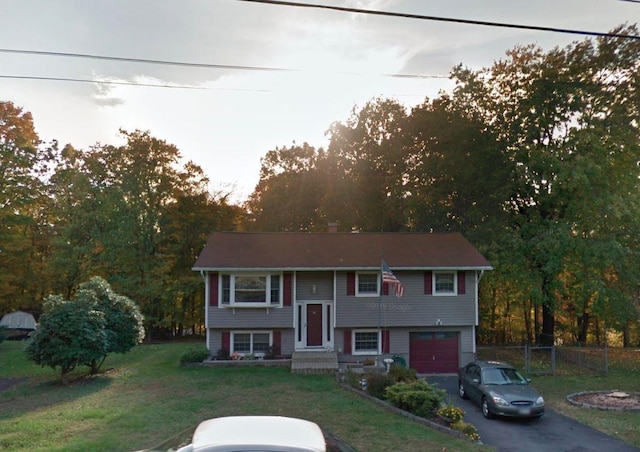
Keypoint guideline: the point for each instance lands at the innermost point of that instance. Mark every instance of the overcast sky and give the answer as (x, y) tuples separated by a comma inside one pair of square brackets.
[(337, 61)]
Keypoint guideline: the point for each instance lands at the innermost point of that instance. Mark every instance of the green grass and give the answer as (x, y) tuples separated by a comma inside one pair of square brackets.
[(148, 397)]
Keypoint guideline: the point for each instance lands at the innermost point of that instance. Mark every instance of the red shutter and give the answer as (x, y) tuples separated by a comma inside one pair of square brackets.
[(213, 289), (277, 340), (226, 341), (385, 288), (385, 341), (428, 283), (461, 283), (347, 342), (287, 289), (351, 283)]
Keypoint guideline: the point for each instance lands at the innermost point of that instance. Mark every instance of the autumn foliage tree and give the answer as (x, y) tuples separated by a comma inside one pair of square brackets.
[(22, 214)]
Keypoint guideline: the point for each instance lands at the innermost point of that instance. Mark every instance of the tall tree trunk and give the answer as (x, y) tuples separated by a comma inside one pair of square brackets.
[(583, 327), (526, 315), (536, 323), (597, 331), (548, 326), (492, 323), (626, 335)]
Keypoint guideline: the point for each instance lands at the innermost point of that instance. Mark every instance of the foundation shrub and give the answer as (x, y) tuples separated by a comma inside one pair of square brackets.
[(418, 397)]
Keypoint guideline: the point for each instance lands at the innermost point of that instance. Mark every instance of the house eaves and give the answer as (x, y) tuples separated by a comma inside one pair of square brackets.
[(229, 251)]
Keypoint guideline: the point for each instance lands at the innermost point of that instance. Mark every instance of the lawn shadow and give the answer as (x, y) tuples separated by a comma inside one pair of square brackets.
[(22, 395)]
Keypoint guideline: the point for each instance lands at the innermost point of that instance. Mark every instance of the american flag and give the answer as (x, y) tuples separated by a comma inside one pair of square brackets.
[(389, 278)]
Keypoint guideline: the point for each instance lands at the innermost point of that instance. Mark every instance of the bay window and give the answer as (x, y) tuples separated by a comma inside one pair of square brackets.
[(251, 290)]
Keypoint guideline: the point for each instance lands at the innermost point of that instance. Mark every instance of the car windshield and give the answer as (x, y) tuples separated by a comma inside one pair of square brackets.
[(502, 376)]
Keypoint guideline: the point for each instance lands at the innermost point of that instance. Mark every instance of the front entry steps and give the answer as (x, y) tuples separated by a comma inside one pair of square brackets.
[(314, 362)]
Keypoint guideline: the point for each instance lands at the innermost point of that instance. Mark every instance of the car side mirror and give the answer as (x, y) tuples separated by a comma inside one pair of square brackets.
[(476, 381)]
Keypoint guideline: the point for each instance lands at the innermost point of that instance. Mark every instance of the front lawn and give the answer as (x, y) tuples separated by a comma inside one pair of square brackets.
[(148, 397)]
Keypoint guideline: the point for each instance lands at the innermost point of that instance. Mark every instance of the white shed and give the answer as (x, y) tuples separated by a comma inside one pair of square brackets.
[(18, 320)]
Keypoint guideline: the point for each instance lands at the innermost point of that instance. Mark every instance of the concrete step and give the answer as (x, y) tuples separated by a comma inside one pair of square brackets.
[(314, 362)]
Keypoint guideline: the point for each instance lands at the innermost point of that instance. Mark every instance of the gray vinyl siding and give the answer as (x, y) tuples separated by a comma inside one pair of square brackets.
[(286, 341), (415, 308), (305, 282), (399, 343), (281, 317)]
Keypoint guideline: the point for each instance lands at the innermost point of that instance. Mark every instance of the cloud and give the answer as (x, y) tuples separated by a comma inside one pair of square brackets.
[(102, 95)]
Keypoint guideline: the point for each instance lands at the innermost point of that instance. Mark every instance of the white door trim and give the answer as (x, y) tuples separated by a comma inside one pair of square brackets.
[(301, 325)]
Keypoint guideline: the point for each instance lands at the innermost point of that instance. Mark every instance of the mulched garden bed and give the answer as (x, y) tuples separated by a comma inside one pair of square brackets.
[(606, 400)]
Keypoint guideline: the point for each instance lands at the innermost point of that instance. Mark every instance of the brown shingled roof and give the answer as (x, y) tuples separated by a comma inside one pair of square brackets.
[(293, 250)]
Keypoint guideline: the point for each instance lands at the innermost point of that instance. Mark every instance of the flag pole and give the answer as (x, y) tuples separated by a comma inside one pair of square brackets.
[(380, 308)]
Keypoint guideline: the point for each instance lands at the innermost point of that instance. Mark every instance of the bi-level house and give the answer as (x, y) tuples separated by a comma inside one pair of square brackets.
[(299, 292)]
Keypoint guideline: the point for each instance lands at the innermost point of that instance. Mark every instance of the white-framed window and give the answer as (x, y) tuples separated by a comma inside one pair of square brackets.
[(367, 284), (365, 342), (445, 283), (251, 342), (251, 290)]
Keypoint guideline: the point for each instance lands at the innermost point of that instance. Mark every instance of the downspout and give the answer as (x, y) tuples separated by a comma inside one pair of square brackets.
[(477, 310), (477, 298), (206, 307)]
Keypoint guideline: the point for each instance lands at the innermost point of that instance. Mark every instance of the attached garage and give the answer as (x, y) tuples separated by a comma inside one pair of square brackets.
[(434, 352)]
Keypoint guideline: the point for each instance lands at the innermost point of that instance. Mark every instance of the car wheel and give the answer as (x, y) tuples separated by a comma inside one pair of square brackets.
[(461, 392), (485, 409)]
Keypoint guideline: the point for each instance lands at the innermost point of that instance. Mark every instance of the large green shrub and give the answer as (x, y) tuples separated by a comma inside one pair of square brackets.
[(83, 331), (377, 383), (123, 321), (401, 373), (69, 334), (195, 356), (418, 397)]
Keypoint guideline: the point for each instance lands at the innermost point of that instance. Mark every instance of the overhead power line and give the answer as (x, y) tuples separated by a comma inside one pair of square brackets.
[(116, 82), (107, 82), (444, 19), (198, 65), (146, 61)]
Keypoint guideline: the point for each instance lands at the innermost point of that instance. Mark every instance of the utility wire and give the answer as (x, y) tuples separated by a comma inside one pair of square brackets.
[(446, 19), (114, 82), (199, 65), (147, 61), (159, 85), (107, 82)]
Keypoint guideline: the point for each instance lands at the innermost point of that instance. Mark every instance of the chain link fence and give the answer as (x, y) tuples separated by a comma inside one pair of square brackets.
[(554, 360)]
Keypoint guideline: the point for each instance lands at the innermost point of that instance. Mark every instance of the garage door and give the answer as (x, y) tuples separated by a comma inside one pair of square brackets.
[(434, 352)]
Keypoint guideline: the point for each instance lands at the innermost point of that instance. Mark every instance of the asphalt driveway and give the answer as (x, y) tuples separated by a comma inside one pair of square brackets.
[(553, 432)]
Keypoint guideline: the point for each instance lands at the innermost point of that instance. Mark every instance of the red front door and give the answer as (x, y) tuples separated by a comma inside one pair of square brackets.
[(314, 325)]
